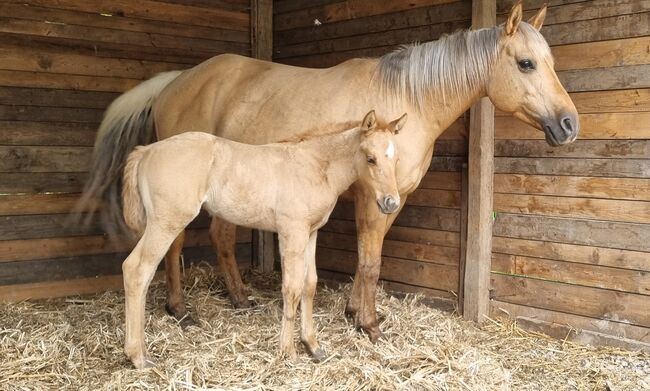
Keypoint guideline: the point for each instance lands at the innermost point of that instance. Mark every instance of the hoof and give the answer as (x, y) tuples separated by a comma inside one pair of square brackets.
[(243, 304), (350, 312), (186, 322), (144, 363), (374, 334), (182, 317), (319, 355)]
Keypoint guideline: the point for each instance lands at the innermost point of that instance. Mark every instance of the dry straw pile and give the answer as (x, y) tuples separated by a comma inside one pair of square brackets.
[(77, 344)]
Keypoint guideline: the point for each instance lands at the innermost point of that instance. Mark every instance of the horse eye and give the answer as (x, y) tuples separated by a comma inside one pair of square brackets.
[(371, 160), (526, 65)]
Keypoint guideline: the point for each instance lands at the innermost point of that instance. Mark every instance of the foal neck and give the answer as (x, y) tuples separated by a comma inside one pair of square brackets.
[(337, 154)]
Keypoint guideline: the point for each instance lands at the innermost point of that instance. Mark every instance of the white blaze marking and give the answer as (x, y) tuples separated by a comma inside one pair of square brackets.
[(390, 151)]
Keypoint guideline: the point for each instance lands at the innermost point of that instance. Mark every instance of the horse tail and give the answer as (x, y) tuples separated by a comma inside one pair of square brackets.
[(128, 122), (134, 212)]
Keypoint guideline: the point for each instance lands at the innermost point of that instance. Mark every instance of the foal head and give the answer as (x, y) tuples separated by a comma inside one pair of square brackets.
[(377, 159), (524, 83)]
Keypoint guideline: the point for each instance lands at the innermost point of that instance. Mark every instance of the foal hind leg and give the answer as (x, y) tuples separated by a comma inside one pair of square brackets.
[(223, 235), (138, 270), (175, 302), (308, 331)]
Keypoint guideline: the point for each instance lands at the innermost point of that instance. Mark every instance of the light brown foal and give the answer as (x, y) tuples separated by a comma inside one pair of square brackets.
[(289, 188)]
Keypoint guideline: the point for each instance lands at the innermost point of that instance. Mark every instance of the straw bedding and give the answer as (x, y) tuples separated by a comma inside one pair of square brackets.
[(76, 343)]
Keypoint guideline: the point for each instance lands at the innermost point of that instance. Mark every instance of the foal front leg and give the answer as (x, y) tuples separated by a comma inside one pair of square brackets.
[(292, 249), (371, 225), (224, 238), (308, 331)]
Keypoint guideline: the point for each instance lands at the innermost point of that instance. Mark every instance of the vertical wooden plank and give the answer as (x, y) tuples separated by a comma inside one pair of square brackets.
[(262, 48), (464, 183), (476, 296), (262, 29)]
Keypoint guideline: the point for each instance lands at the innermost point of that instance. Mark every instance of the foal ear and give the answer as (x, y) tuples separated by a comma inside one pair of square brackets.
[(369, 122), (514, 18), (398, 124), (538, 20)]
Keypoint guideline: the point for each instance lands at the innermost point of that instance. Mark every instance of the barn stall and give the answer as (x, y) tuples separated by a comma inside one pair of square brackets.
[(555, 239)]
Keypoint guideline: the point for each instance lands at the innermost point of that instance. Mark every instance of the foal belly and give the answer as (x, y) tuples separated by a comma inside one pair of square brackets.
[(241, 209)]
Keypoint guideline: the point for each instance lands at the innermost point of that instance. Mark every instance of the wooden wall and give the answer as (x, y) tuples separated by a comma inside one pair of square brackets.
[(572, 231), (421, 251), (61, 63)]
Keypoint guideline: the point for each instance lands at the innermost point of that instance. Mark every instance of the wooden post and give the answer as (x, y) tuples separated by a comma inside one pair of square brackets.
[(262, 48), (262, 29), (479, 201), (463, 237)]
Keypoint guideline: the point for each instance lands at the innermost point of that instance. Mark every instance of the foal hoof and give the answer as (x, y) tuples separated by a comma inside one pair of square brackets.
[(318, 355), (186, 322), (144, 363)]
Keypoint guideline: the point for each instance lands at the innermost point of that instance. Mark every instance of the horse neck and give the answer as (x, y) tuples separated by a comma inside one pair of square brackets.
[(337, 154), (441, 79)]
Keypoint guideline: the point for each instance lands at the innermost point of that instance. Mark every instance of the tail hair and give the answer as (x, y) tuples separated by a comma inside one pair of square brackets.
[(128, 122)]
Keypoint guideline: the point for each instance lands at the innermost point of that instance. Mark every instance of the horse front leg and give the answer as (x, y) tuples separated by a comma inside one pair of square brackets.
[(224, 238), (175, 302), (371, 226)]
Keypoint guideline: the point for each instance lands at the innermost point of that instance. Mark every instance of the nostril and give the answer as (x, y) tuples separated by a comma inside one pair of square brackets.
[(567, 125)]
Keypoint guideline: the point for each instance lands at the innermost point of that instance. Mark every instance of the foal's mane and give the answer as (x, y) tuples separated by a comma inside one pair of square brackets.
[(454, 65), (321, 131)]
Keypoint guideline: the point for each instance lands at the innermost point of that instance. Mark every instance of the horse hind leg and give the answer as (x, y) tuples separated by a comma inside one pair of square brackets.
[(224, 236), (175, 305)]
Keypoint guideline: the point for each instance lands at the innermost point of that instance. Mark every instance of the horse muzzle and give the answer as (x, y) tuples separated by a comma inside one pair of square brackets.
[(388, 204), (561, 130)]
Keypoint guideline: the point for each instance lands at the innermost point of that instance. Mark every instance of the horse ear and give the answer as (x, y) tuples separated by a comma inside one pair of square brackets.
[(369, 122), (398, 124), (538, 20), (514, 18)]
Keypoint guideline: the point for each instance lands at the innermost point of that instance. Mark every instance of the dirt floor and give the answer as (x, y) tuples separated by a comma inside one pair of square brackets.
[(76, 343)]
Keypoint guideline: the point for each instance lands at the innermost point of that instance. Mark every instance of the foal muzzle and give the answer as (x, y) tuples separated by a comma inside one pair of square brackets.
[(388, 204)]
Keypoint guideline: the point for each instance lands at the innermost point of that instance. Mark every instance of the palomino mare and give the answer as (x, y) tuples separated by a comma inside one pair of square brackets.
[(257, 102), (289, 188)]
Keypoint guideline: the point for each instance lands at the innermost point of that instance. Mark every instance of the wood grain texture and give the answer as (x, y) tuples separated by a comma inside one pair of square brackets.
[(596, 303), (615, 235), (619, 168), (348, 9), (47, 133), (599, 126), (396, 249), (428, 275), (574, 186), (575, 328), (153, 10), (633, 281), (592, 255)]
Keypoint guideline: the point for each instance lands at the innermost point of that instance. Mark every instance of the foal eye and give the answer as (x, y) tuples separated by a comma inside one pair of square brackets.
[(371, 160), (526, 65)]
